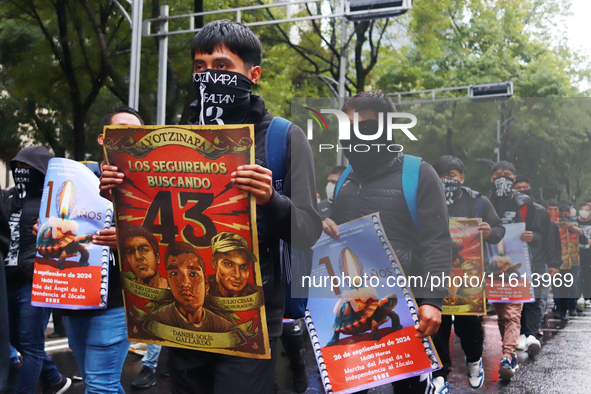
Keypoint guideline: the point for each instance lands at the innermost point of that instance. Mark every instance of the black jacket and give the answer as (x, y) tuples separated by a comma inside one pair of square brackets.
[(488, 214), (422, 252), (292, 217), (38, 158), (4, 335), (531, 219)]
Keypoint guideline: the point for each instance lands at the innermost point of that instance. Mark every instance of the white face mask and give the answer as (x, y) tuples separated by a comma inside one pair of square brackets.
[(573, 213), (330, 191), (584, 214)]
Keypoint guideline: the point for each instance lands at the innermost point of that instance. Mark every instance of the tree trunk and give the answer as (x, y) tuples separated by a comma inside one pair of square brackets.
[(79, 134)]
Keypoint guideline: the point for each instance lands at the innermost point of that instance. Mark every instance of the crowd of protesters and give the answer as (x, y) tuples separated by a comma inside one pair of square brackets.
[(422, 244)]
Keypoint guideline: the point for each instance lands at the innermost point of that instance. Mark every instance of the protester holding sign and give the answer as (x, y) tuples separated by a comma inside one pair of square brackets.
[(28, 323), (463, 202), (424, 247), (226, 60), (570, 234), (512, 207)]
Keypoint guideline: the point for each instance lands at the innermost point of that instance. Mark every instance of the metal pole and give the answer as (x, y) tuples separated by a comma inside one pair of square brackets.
[(498, 141), (162, 68), (341, 160), (136, 48)]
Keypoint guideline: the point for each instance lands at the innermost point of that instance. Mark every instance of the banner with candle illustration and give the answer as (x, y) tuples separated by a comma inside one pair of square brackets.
[(187, 238), (70, 271), (508, 274), (361, 315), (466, 288)]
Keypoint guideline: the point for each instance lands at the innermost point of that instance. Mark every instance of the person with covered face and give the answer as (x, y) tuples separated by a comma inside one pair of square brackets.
[(375, 184), (232, 261), (27, 323), (140, 250), (512, 207), (463, 202), (185, 271)]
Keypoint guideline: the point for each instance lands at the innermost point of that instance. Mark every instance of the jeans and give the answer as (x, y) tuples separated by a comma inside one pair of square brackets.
[(99, 342), (27, 334), (150, 360)]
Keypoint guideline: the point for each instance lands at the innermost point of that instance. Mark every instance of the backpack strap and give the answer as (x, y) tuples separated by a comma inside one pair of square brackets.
[(276, 150), (479, 207), (410, 184), (342, 179)]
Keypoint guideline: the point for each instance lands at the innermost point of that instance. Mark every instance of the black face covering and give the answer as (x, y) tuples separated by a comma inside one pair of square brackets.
[(27, 181), (365, 163), (526, 192), (224, 97), (503, 185), (453, 190)]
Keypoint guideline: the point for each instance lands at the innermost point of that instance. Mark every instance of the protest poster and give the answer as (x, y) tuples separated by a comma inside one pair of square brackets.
[(570, 247), (188, 239), (465, 284), (362, 328), (508, 274), (70, 271)]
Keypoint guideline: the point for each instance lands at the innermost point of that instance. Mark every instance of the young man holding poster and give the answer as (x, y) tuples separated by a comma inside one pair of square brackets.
[(512, 207), (226, 60), (463, 202), (375, 184)]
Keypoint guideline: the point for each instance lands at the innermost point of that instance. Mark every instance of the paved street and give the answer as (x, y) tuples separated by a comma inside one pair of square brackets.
[(562, 366)]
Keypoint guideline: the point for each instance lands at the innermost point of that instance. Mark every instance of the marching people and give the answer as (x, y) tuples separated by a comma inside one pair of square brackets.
[(225, 48), (512, 207), (542, 261), (463, 202), (375, 184)]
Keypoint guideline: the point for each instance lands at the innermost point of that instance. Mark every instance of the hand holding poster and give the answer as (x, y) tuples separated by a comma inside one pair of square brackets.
[(468, 268), (361, 315), (70, 271), (187, 238), (508, 275)]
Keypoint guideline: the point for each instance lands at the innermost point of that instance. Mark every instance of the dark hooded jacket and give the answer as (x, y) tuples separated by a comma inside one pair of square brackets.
[(4, 336), (38, 158), (291, 217), (424, 252)]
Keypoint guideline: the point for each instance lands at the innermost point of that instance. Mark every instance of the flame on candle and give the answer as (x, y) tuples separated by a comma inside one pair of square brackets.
[(66, 199)]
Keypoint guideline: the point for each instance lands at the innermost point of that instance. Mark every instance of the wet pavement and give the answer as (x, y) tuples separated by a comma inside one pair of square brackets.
[(562, 366)]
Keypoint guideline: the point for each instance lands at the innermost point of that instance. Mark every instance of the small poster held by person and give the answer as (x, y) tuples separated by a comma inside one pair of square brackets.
[(361, 314), (187, 238), (570, 246), (508, 274), (465, 283), (70, 271)]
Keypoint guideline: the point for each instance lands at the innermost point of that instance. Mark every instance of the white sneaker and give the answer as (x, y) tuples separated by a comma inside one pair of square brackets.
[(532, 345), (440, 385), (476, 374), (521, 344)]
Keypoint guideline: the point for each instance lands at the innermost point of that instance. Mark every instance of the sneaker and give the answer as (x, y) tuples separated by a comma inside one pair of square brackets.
[(58, 388), (146, 378), (441, 386), (572, 312), (77, 376), (563, 316), (508, 368), (476, 374), (532, 345), (138, 348), (521, 343)]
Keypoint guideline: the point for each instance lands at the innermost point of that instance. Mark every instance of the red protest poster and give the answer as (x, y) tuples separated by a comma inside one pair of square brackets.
[(187, 238), (570, 246), (465, 284)]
